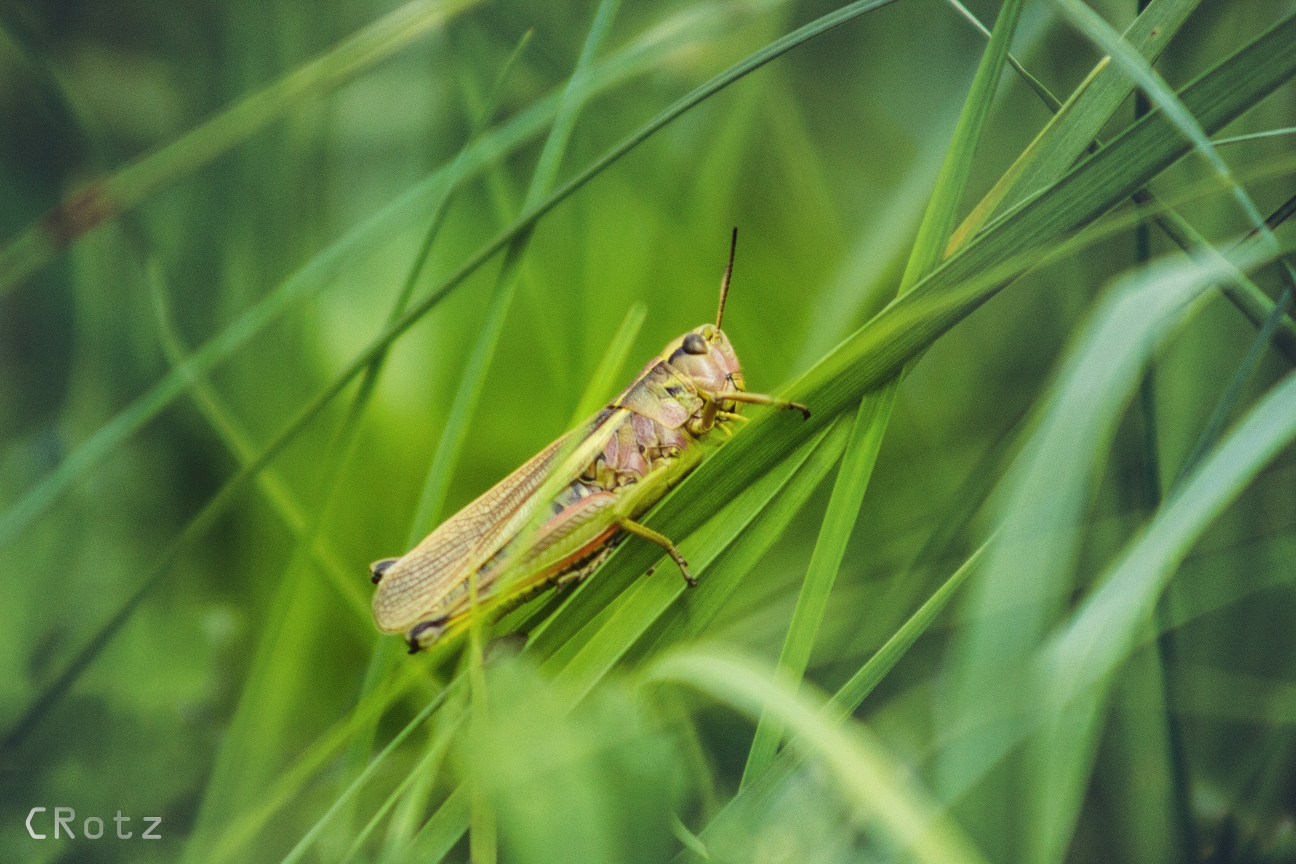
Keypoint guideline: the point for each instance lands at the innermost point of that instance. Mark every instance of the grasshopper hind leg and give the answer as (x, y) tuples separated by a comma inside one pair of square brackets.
[(663, 541)]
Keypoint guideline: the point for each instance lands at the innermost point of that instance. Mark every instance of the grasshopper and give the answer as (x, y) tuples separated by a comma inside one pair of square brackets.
[(554, 520)]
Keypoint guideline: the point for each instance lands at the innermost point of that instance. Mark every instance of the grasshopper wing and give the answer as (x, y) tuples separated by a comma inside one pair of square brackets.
[(436, 570)]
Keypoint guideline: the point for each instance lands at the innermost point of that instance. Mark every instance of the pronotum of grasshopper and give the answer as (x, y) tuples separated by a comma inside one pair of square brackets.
[(554, 520)]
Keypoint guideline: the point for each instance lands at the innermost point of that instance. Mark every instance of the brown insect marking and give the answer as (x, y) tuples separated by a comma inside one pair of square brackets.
[(1156, 31), (77, 215)]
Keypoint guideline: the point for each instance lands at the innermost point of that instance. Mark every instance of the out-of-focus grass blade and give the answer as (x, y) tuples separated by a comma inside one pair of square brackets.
[(221, 418), (284, 646), (289, 783), (880, 788), (414, 796), (422, 770), (297, 851), (874, 412), (608, 374), (1206, 691), (649, 51), (1029, 568), (1106, 627), (849, 696), (1076, 667), (1028, 574), (105, 199), (441, 832)]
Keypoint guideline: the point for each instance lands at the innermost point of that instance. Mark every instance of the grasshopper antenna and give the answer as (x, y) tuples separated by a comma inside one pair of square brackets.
[(724, 280)]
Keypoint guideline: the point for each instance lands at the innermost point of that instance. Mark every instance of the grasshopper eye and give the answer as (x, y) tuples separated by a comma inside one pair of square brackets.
[(378, 568), (694, 344)]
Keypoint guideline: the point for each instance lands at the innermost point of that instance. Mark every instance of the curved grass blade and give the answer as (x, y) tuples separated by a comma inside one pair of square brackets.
[(1031, 562), (879, 787), (104, 199), (848, 697)]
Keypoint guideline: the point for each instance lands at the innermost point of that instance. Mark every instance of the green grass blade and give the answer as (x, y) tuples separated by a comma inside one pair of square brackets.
[(1136, 66), (690, 615), (1107, 625), (942, 210), (1104, 630), (1010, 178), (830, 546), (596, 653), (221, 418), (413, 797), (1053, 150), (849, 696), (602, 386), (289, 783), (284, 649), (1029, 568), (1150, 33), (297, 851), (1228, 399), (441, 832), (37, 245), (874, 782), (1254, 136)]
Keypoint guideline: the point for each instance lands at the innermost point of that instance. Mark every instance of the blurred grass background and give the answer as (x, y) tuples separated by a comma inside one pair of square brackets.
[(825, 159)]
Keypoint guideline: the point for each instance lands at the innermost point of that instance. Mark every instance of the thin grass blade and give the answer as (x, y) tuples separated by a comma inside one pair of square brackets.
[(103, 200)]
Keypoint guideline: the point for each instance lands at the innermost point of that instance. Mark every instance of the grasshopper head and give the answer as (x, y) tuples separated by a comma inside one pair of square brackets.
[(706, 355)]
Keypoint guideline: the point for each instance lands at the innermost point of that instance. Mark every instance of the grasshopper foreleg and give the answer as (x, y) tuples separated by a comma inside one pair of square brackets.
[(755, 399), (663, 541)]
